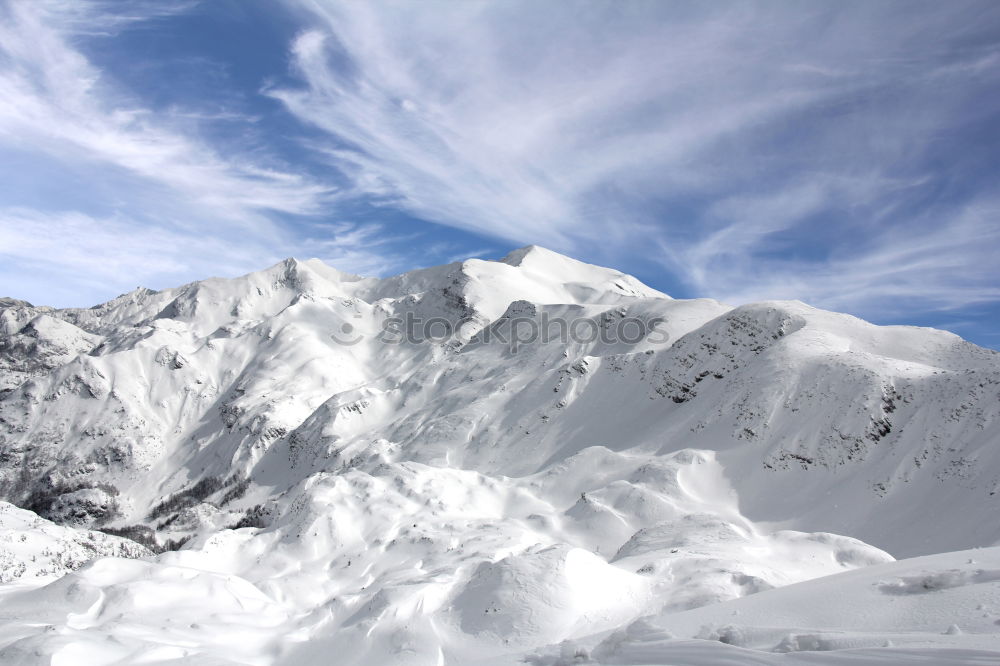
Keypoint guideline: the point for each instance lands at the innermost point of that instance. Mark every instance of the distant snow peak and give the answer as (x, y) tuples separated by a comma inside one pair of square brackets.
[(533, 253)]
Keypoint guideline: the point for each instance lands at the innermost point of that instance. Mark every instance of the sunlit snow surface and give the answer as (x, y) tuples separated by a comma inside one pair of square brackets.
[(457, 501)]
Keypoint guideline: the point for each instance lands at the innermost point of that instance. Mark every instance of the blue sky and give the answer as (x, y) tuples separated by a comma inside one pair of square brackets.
[(843, 153)]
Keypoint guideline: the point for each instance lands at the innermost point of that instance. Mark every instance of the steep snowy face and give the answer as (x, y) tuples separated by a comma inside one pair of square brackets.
[(480, 291), (33, 342), (474, 459), (200, 380)]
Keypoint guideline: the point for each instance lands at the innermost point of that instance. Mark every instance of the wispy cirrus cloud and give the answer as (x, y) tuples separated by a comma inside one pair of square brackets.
[(81, 256), (53, 100), (752, 149), (934, 264), (468, 116), (147, 197)]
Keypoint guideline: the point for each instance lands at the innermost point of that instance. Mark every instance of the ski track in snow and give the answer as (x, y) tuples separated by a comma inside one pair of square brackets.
[(734, 495)]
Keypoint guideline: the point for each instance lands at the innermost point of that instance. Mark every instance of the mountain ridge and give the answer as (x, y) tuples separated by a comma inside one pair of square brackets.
[(309, 433)]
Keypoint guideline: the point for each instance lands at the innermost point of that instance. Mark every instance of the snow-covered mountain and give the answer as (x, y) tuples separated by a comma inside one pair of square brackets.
[(471, 462)]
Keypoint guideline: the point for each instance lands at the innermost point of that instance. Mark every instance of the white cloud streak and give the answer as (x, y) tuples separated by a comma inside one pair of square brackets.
[(182, 209), (455, 113), (949, 265), (53, 99), (71, 258)]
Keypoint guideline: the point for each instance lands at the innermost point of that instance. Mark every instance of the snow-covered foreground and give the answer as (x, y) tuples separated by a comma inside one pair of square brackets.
[(408, 560), (937, 609), (733, 488)]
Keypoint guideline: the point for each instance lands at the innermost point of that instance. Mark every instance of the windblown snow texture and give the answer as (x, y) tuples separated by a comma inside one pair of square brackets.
[(303, 486)]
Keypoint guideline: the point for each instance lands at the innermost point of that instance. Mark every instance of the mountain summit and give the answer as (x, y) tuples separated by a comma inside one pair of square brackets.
[(468, 461)]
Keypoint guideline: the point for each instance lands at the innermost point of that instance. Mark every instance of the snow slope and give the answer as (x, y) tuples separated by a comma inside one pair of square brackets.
[(33, 549), (469, 492), (936, 609)]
